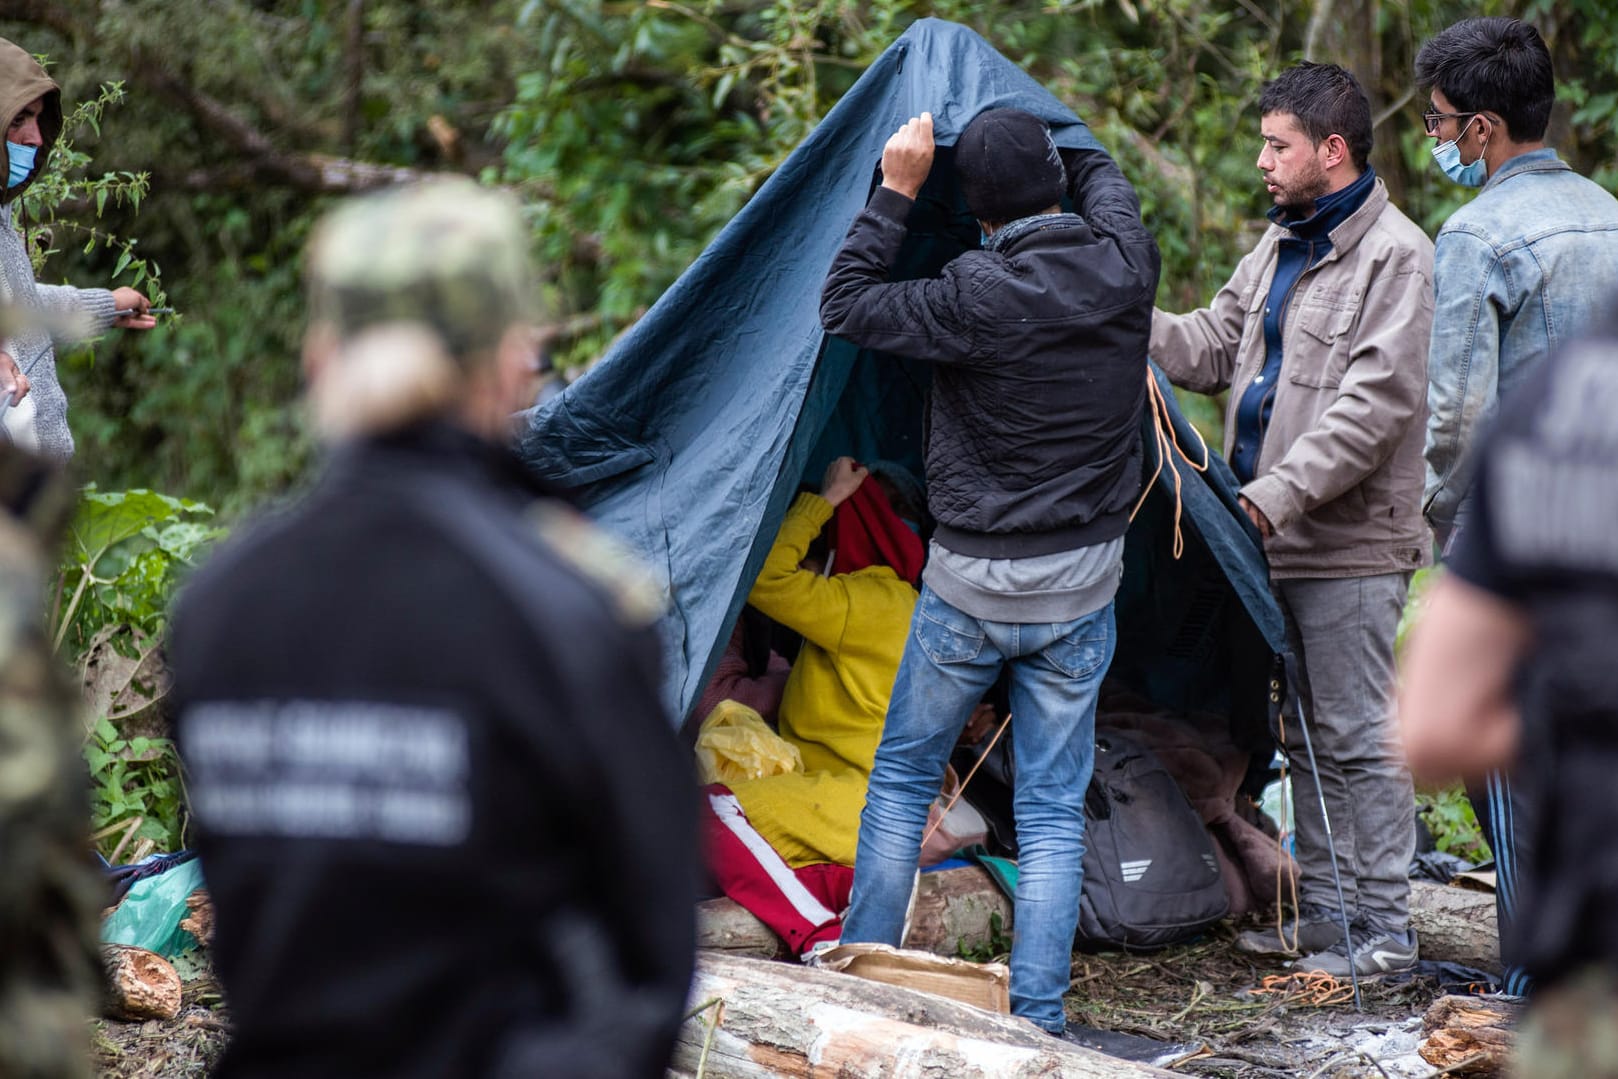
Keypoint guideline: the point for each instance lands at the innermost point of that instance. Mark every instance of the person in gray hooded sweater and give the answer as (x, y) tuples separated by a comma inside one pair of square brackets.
[(45, 316)]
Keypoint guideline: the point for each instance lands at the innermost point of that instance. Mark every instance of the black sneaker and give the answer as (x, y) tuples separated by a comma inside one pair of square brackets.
[(1313, 929), (1377, 950)]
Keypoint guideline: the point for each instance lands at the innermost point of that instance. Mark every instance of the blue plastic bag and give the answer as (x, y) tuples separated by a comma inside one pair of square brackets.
[(149, 917)]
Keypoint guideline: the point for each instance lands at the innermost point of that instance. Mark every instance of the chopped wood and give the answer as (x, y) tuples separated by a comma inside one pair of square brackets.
[(140, 984), (1470, 1036), (782, 1019), (724, 925), (1455, 925), (199, 922), (955, 912)]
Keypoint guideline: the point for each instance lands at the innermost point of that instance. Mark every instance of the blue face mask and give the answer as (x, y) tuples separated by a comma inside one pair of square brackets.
[(1448, 156), (21, 160)]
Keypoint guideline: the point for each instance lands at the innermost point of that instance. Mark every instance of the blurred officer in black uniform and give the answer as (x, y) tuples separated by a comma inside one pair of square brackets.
[(1515, 662), (443, 816)]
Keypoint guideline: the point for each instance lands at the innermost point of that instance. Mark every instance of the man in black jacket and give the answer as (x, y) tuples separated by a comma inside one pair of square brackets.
[(444, 818), (1033, 466)]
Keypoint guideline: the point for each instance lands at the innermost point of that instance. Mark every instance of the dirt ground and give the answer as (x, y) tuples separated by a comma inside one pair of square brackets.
[(1203, 993), (188, 1045), (1196, 993)]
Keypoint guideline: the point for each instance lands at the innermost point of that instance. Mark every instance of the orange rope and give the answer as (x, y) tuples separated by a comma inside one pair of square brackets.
[(1315, 988), (1168, 446)]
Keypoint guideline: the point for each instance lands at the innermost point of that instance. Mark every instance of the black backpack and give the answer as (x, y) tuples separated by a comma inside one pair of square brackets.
[(1151, 877)]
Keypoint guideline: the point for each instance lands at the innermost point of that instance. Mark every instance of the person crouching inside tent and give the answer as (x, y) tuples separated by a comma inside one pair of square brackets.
[(783, 846)]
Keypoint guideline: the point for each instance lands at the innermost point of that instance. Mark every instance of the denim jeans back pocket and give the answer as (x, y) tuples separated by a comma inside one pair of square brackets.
[(945, 634), (1082, 649)]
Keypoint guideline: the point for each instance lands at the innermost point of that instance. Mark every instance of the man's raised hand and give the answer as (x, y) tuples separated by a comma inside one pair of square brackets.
[(908, 156)]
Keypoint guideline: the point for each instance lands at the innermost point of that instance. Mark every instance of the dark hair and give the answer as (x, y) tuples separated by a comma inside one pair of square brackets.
[(1497, 65), (1327, 100)]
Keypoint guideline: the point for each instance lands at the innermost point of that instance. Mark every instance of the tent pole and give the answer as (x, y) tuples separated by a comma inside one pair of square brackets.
[(1331, 849)]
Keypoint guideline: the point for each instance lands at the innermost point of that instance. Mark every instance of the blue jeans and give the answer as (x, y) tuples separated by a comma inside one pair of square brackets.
[(950, 661)]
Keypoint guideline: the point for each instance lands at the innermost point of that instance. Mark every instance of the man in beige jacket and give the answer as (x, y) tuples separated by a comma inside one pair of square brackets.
[(1321, 337)]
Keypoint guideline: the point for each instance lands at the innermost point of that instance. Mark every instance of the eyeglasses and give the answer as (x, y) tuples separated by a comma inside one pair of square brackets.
[(1430, 119)]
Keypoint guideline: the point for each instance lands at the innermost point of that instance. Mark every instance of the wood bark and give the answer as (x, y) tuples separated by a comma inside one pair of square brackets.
[(1455, 925), (1469, 1035), (140, 984), (724, 925), (780, 1019), (199, 918), (954, 908)]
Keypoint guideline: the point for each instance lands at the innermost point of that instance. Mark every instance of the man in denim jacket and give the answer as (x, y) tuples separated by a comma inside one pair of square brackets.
[(1531, 263)]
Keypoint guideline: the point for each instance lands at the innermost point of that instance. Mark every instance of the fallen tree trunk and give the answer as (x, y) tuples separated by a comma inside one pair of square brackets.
[(1455, 925), (780, 1019), (1469, 1035), (140, 984), (955, 909)]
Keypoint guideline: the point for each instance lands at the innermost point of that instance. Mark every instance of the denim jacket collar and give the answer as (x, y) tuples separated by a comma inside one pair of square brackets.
[(1543, 160)]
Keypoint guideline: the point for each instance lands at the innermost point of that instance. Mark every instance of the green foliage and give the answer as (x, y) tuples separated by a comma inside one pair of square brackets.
[(1454, 826), (997, 949), (64, 183), (137, 794), (1419, 584), (125, 552)]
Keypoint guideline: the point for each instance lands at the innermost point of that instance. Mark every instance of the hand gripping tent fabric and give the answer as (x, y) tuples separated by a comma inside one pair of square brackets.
[(690, 436)]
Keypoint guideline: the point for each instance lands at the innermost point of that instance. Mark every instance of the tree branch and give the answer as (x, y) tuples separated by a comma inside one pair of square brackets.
[(260, 162)]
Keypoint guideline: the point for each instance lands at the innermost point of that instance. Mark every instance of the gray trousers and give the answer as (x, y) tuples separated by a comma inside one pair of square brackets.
[(1342, 632)]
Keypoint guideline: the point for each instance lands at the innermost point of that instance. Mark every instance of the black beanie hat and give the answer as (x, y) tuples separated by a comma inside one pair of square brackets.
[(1008, 166)]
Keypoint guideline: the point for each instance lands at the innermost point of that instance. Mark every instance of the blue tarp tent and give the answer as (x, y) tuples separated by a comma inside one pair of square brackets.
[(690, 437)]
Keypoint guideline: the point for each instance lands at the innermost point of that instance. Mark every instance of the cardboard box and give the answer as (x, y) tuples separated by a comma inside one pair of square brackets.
[(982, 985)]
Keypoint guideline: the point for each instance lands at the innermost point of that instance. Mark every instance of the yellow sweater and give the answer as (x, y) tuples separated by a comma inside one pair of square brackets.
[(854, 627)]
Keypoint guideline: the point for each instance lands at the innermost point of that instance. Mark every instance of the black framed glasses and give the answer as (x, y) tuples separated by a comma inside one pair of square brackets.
[(1430, 119)]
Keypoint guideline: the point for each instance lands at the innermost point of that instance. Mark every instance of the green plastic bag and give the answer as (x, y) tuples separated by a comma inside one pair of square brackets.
[(149, 917)]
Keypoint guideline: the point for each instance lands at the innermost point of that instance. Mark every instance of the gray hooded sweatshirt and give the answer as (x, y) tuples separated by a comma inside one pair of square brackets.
[(71, 314)]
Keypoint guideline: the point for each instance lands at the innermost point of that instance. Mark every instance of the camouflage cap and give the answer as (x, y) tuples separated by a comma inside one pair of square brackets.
[(445, 253)]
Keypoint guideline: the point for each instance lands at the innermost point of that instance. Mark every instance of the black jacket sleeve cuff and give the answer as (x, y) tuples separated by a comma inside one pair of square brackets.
[(888, 203)]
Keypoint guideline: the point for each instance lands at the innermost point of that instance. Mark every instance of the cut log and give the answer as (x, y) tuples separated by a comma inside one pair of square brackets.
[(199, 921), (724, 925), (1469, 1035), (140, 984), (954, 912), (781, 1019), (1455, 925)]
